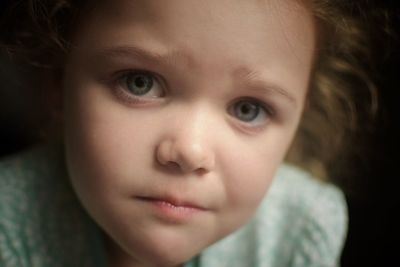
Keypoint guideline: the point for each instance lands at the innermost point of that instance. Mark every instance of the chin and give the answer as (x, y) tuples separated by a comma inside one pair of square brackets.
[(158, 249)]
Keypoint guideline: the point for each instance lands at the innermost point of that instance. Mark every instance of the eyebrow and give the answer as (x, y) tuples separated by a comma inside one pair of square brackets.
[(255, 77), (170, 57)]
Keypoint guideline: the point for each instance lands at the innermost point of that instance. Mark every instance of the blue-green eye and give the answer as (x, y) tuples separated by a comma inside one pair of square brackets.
[(142, 84), (249, 111)]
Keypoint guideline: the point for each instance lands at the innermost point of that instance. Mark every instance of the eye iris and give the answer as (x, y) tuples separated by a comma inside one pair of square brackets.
[(246, 111), (139, 84)]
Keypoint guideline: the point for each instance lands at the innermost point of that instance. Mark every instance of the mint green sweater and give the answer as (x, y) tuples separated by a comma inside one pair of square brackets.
[(301, 222)]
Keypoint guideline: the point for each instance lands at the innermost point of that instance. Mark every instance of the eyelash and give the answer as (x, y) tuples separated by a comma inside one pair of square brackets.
[(119, 84), (120, 90), (261, 106)]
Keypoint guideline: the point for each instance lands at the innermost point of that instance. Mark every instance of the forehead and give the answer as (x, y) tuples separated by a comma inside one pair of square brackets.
[(193, 18), (269, 20), (268, 34)]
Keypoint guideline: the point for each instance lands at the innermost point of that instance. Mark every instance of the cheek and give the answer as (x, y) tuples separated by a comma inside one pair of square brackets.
[(101, 141), (251, 172), (248, 181)]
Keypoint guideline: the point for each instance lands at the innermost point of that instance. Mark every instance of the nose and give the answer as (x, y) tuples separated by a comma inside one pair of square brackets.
[(186, 153)]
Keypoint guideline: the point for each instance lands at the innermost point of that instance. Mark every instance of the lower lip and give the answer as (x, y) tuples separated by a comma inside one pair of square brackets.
[(170, 212)]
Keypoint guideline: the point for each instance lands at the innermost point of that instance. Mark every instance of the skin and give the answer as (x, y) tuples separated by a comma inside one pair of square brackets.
[(184, 141)]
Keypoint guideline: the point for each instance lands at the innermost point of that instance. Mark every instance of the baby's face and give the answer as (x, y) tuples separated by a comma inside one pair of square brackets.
[(177, 115)]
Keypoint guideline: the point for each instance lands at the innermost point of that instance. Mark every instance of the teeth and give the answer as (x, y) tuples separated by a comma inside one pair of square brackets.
[(168, 204), (173, 206)]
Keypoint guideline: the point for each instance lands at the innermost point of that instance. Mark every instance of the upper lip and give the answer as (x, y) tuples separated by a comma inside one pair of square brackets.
[(179, 202)]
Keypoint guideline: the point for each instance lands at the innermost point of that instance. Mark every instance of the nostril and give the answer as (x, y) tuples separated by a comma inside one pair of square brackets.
[(184, 156), (201, 171), (172, 165)]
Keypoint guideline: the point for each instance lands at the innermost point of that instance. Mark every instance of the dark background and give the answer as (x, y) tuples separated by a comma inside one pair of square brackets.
[(373, 199), (374, 207)]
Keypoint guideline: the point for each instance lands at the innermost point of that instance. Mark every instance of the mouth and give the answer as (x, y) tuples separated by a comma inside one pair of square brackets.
[(171, 209), (172, 202)]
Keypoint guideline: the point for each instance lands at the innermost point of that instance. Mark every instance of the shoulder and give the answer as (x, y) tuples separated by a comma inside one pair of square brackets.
[(21, 167), (28, 176), (301, 222), (19, 176), (310, 216), (314, 200), (297, 192), (39, 212)]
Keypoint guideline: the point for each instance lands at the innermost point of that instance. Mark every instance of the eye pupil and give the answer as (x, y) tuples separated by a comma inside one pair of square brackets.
[(245, 108), (246, 111), (139, 84)]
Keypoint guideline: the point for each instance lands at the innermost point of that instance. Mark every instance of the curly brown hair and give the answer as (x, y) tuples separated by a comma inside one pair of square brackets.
[(342, 99)]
